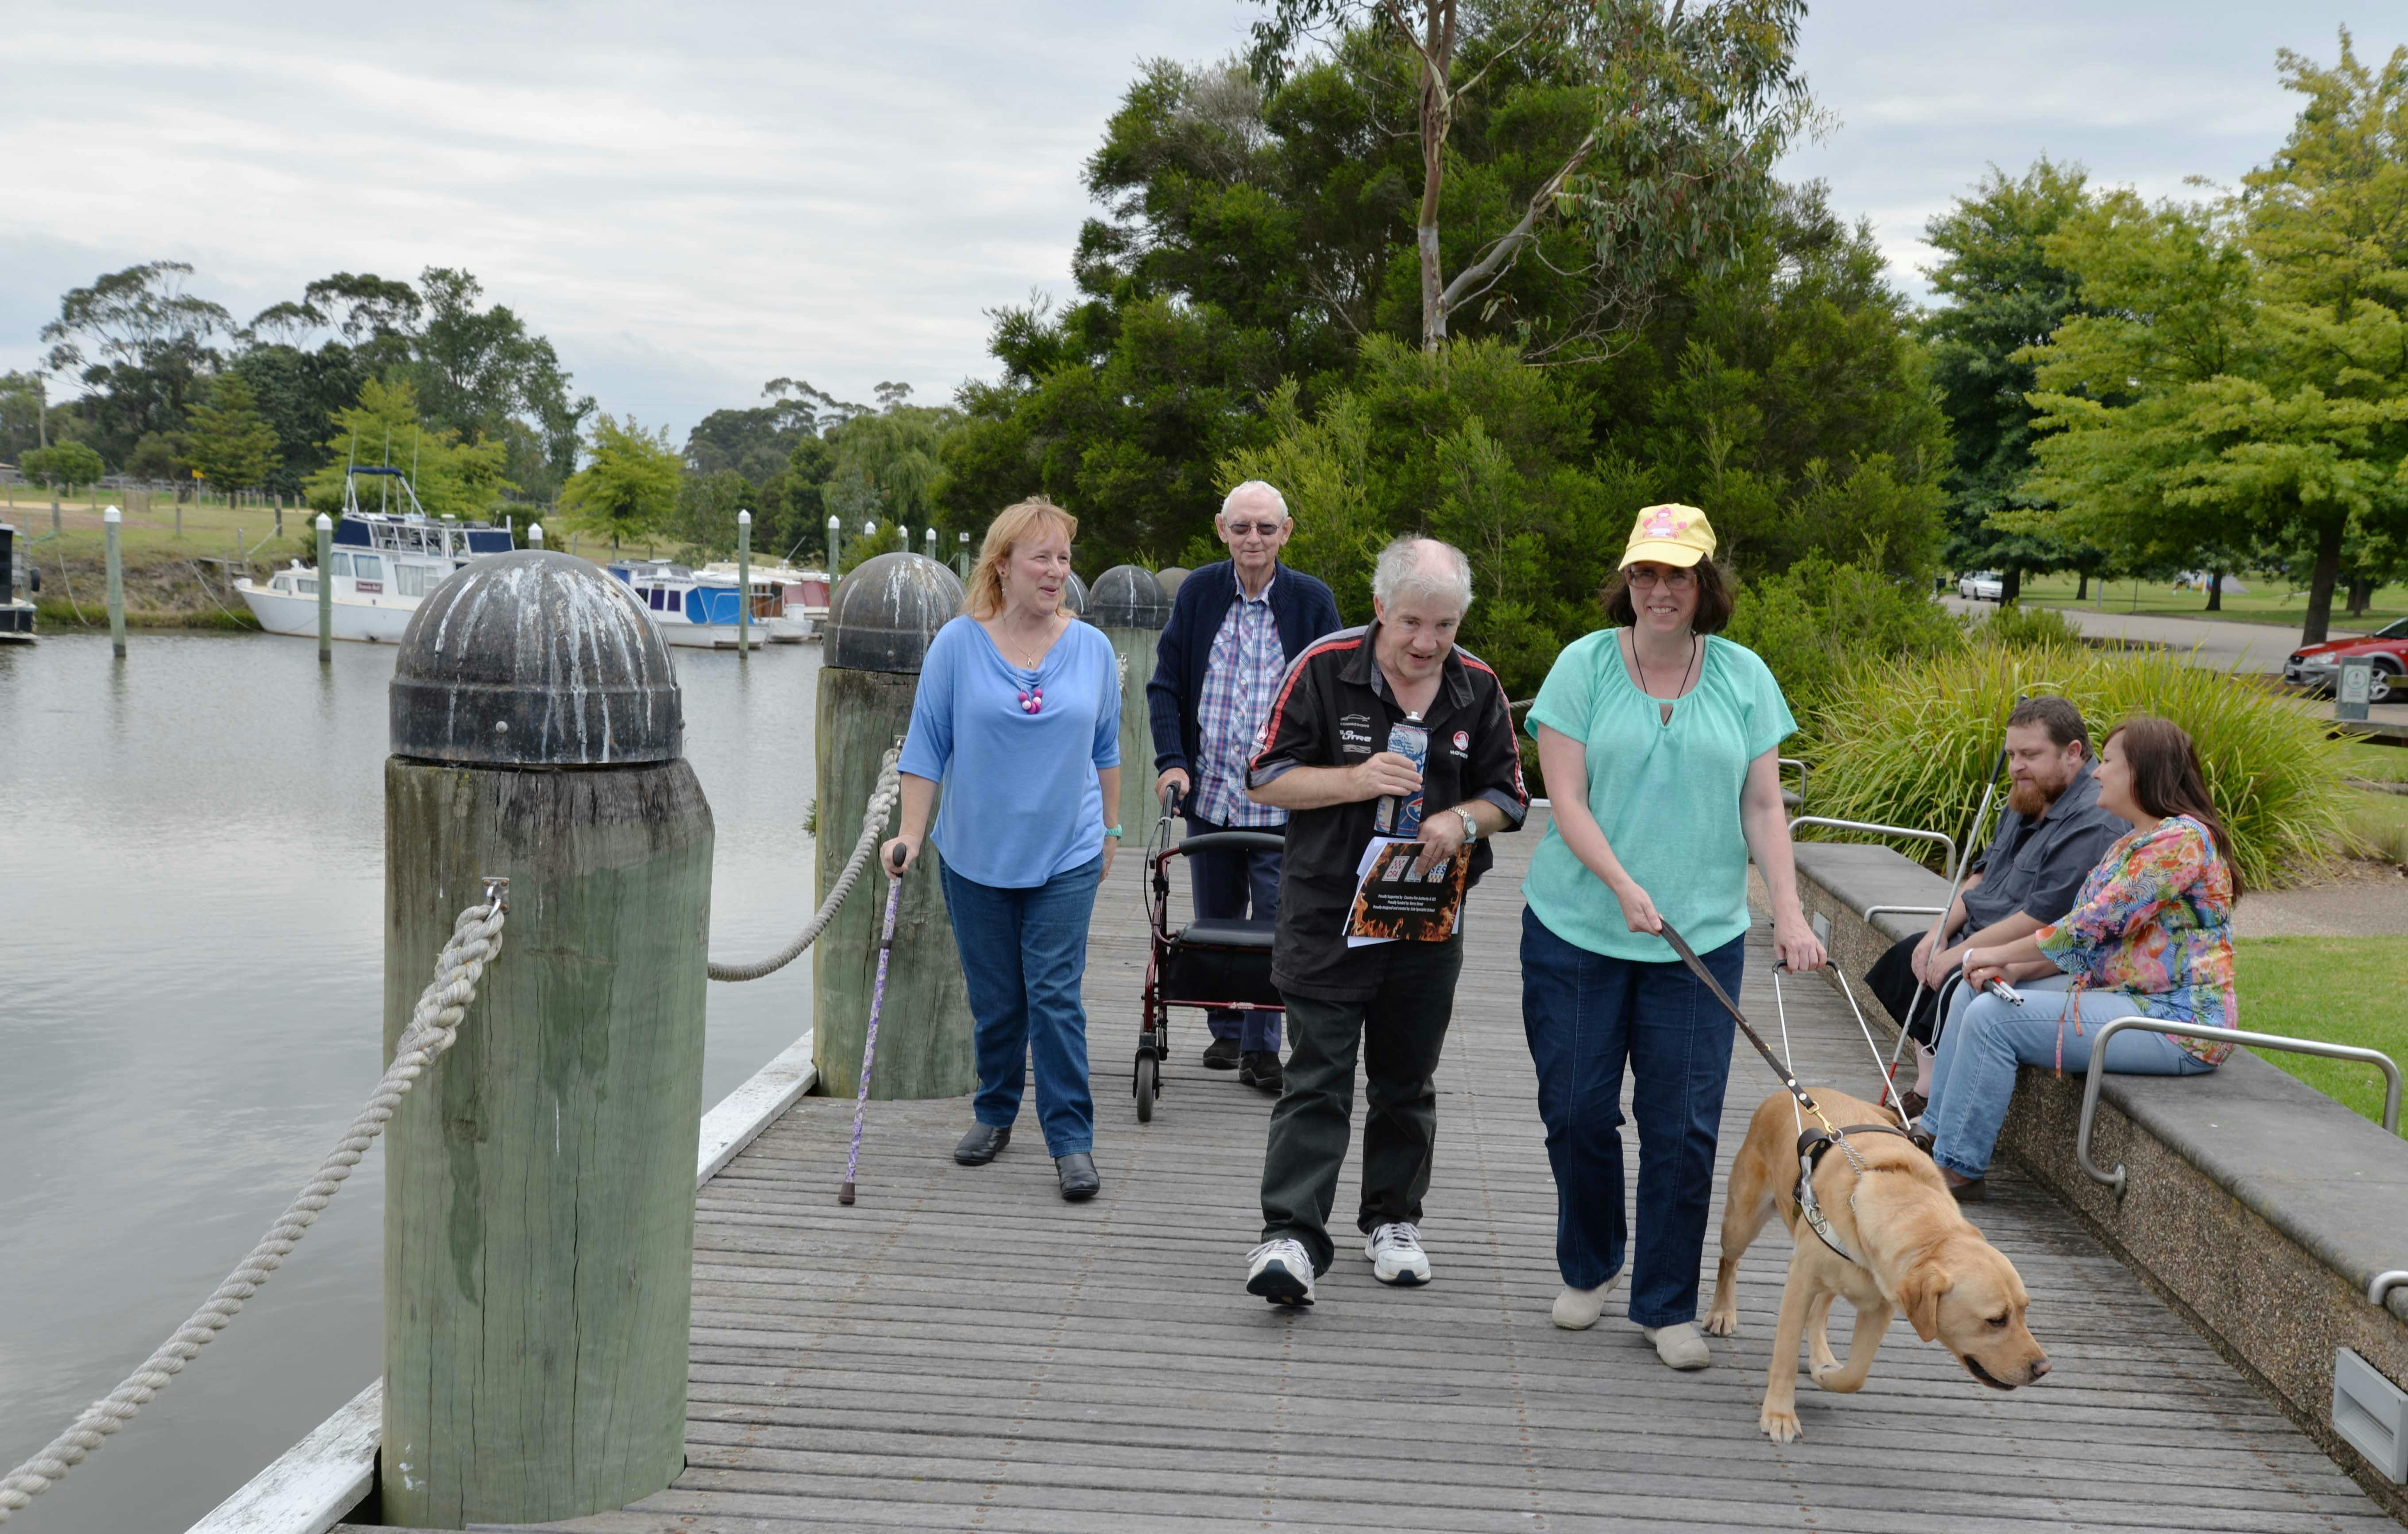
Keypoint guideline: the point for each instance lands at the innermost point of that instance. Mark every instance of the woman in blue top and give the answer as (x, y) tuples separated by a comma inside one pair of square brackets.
[(1657, 745), (1018, 715)]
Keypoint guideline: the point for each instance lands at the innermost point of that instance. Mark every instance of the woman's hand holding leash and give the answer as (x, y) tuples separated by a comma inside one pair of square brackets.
[(1637, 910)]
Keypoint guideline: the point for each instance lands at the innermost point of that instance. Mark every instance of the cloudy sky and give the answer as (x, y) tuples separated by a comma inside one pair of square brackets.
[(690, 200)]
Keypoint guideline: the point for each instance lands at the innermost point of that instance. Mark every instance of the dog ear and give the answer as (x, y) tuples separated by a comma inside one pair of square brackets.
[(1921, 1292)]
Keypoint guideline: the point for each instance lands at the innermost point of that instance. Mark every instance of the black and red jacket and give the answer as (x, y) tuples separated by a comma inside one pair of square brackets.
[(1334, 709)]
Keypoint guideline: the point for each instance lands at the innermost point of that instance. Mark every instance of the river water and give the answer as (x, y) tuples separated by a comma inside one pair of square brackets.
[(192, 870)]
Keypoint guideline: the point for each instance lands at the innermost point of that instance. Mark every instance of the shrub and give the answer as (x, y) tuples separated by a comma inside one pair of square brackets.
[(1816, 620), (1908, 743), (2015, 626)]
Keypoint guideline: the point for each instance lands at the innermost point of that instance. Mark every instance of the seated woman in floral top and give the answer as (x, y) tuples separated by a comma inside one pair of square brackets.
[(2151, 932)]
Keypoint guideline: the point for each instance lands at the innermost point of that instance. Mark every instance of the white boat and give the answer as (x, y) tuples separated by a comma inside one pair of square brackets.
[(698, 608), (382, 567), (800, 597)]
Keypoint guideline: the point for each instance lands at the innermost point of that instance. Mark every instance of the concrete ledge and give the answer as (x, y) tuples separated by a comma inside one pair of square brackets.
[(2258, 1205)]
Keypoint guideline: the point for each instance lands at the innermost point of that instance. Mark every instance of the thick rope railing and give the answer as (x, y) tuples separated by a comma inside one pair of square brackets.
[(476, 938), (882, 796)]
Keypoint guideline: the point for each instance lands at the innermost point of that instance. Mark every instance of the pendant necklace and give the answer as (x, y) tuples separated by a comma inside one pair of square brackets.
[(1641, 661), (1032, 697)]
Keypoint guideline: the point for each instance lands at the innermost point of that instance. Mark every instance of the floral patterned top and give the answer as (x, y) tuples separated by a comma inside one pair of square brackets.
[(2154, 920)]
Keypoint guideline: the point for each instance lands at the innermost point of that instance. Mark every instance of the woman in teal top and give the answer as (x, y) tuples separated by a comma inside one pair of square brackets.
[(1657, 745)]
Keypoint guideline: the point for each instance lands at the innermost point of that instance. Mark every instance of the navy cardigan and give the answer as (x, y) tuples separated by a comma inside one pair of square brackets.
[(1300, 606)]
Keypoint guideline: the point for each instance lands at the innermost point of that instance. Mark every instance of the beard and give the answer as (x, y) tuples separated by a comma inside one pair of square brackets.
[(2031, 799)]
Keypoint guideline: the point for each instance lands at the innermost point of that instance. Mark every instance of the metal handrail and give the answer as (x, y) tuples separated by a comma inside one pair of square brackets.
[(2383, 1284), (2230, 1035), (1872, 912), (1946, 844), (1780, 762)]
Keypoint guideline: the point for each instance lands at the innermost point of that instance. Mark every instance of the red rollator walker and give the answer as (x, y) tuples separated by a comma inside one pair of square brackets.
[(1212, 963)]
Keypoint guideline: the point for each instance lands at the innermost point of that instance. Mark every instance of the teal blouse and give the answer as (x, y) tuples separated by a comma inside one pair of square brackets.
[(1666, 794)]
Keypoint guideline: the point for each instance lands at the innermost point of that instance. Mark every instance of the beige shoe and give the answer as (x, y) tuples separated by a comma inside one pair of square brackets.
[(1681, 1347), (1577, 1310)]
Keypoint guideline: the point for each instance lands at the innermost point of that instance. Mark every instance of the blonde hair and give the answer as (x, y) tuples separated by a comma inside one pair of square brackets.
[(1022, 521)]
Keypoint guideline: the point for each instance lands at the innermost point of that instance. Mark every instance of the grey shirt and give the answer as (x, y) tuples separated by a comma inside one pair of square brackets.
[(2037, 867)]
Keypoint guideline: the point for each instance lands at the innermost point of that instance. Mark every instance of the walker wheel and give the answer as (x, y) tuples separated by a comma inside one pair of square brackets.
[(1145, 1088)]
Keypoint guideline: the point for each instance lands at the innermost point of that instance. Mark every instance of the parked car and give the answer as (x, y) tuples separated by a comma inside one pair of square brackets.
[(1982, 587), (2317, 668)]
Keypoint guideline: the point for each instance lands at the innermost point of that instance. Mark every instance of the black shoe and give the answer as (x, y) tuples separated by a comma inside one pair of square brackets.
[(1261, 1067), (1221, 1054), (982, 1144), (1077, 1171)]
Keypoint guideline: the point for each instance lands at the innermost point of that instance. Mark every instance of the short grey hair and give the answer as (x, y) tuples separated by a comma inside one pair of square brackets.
[(1261, 486), (1422, 566)]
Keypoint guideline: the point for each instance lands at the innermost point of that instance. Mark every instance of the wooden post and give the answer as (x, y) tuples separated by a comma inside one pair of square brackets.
[(325, 590), (540, 1183), (836, 538), (744, 585), (108, 524), (880, 619), (1129, 606)]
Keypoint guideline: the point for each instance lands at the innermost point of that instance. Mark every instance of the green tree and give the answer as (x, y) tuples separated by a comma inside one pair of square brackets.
[(22, 404), (1683, 112), (384, 428), (226, 439), (140, 344), (629, 484), (63, 468), (704, 522), (2001, 295)]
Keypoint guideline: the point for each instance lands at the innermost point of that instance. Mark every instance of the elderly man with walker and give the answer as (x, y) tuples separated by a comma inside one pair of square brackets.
[(1338, 753), (1234, 627)]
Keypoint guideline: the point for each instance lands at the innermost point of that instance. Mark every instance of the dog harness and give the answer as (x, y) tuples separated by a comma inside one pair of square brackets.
[(1810, 1146)]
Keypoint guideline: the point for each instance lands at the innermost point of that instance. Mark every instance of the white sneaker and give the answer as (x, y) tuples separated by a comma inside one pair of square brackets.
[(1280, 1272), (1577, 1310), (1395, 1254), (1681, 1347)]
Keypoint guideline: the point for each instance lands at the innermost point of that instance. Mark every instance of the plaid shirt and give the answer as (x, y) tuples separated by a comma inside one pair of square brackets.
[(1239, 682)]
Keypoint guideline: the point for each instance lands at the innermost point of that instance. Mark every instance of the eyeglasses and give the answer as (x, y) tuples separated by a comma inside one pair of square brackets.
[(1265, 529), (1677, 579)]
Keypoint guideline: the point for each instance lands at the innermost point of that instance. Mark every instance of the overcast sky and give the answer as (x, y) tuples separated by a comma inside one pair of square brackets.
[(692, 200)]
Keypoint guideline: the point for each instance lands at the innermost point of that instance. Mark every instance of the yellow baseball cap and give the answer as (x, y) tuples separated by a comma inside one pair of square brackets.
[(1678, 536)]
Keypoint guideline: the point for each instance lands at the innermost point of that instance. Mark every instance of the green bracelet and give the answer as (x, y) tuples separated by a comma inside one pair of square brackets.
[(1113, 831)]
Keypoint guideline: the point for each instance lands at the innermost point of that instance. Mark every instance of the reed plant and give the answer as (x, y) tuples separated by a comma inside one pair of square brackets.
[(1910, 743), (2015, 626)]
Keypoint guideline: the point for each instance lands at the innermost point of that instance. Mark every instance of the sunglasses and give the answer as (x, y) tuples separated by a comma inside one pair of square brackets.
[(1265, 529)]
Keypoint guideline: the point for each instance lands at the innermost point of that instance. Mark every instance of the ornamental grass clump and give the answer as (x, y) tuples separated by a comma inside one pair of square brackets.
[(1910, 742)]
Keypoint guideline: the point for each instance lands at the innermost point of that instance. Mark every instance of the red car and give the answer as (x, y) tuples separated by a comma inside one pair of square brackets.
[(2317, 667)]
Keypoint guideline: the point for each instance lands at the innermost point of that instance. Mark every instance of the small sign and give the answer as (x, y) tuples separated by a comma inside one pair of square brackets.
[(2356, 687)]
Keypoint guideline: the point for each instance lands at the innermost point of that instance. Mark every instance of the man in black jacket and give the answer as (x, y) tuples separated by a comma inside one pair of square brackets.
[(1233, 629), (1331, 753)]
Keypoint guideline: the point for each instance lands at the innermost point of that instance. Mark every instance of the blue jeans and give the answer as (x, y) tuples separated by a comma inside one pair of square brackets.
[(1987, 1037), (1226, 883), (1023, 953), (1586, 1014)]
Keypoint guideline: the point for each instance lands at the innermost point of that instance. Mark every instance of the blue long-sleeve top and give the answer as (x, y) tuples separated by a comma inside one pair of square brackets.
[(1020, 800)]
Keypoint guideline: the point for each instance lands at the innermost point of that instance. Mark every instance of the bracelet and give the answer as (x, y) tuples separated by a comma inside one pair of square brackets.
[(1113, 831)]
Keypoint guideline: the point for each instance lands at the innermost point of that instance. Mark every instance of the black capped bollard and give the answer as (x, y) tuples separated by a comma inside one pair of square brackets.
[(1129, 604), (540, 1188), (880, 619)]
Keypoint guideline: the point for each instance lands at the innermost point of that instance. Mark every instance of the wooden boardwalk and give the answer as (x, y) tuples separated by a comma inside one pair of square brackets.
[(963, 1350)]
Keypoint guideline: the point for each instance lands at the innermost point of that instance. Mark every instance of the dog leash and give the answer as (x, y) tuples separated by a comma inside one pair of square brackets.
[(1811, 1144)]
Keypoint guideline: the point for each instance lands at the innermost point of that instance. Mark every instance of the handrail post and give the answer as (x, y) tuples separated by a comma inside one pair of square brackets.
[(2240, 1036)]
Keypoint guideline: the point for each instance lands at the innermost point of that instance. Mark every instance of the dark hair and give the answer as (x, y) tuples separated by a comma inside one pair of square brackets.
[(1713, 598), (2062, 720), (2168, 780)]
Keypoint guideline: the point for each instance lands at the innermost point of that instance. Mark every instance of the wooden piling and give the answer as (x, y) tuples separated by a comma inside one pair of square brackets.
[(109, 522), (325, 590), (539, 1183), (880, 619), (744, 585), (1129, 605)]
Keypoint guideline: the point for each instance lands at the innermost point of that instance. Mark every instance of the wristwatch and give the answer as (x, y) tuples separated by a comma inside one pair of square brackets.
[(1471, 827)]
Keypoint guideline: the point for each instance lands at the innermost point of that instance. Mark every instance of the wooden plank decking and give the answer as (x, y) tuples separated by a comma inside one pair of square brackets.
[(962, 1350)]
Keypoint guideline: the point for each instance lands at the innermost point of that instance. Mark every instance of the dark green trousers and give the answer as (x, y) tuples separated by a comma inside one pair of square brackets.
[(1398, 1032)]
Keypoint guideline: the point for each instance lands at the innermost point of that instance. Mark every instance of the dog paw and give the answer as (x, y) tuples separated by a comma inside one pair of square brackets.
[(1779, 1427), (1828, 1376), (1721, 1323)]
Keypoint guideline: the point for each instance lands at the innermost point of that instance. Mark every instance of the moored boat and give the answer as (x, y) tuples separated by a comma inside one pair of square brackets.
[(382, 566), (16, 613), (698, 608)]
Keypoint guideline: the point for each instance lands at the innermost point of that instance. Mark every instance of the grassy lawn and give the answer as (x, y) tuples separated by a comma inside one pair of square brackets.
[(2337, 990), (2376, 764), (2266, 601)]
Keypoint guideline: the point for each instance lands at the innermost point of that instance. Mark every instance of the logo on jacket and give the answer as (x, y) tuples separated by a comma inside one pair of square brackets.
[(1463, 739)]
